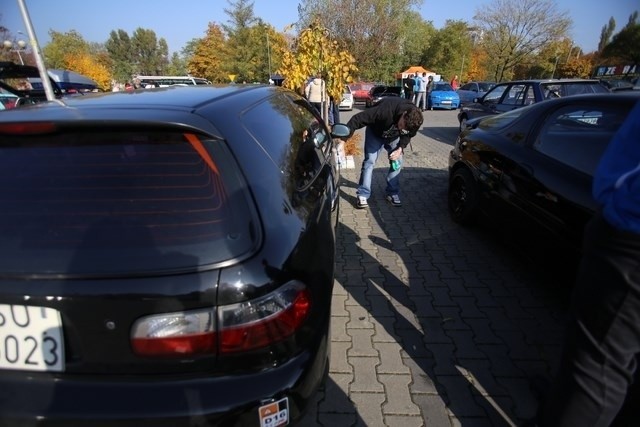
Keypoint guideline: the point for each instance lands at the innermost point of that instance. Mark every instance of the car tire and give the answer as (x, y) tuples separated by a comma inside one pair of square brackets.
[(463, 197)]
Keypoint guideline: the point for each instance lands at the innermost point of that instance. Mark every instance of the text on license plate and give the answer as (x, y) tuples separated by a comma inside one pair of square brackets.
[(446, 102), (31, 338)]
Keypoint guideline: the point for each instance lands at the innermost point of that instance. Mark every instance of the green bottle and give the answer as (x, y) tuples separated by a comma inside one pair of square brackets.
[(394, 165)]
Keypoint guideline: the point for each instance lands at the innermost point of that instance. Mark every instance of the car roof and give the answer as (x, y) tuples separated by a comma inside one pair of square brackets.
[(173, 97), (551, 81), (173, 104), (614, 97)]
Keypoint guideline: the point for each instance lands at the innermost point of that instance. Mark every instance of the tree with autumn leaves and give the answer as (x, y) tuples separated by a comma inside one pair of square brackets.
[(69, 51), (315, 52)]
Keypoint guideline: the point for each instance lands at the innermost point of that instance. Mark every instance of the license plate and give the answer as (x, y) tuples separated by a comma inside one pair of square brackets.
[(31, 338), (275, 413), (446, 102)]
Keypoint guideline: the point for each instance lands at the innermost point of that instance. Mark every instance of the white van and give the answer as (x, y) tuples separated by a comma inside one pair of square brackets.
[(164, 81)]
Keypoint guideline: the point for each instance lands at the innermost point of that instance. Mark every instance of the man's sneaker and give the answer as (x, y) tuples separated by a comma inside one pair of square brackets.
[(362, 202), (394, 200)]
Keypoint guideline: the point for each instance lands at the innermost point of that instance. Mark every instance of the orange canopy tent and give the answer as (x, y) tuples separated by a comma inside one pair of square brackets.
[(416, 69)]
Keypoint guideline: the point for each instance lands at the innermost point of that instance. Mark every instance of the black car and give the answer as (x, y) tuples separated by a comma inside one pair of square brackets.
[(166, 257), (377, 93), (519, 93), (532, 168)]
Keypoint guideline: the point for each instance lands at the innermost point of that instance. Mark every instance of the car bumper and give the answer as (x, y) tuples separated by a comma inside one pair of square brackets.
[(157, 401), (449, 106)]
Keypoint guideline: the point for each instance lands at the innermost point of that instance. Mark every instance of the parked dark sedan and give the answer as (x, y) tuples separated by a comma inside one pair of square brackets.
[(377, 93), (519, 93), (533, 166), (166, 258)]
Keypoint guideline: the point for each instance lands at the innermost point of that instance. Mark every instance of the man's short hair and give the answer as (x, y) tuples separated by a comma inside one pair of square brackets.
[(413, 119)]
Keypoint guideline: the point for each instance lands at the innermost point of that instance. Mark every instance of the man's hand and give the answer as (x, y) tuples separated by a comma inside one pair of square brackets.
[(396, 154)]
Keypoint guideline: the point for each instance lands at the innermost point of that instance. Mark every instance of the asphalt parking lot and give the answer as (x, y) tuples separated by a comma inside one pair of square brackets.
[(433, 324)]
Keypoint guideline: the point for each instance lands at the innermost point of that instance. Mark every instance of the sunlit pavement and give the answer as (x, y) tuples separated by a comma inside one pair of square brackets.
[(432, 324)]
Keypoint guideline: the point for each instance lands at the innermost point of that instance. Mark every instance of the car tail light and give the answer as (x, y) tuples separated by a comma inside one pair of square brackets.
[(175, 334), (31, 128), (258, 323), (240, 327)]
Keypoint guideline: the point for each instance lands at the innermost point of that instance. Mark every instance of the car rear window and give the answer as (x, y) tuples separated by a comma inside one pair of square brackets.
[(104, 202), (560, 89)]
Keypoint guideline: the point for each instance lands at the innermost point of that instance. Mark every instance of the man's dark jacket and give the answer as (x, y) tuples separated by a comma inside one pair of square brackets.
[(383, 118)]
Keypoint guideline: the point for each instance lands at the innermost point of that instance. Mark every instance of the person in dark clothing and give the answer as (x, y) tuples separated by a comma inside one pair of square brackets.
[(390, 124), (601, 351), (407, 85), (429, 90)]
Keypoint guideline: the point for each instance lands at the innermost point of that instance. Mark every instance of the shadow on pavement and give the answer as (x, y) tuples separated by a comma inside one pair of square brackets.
[(471, 322)]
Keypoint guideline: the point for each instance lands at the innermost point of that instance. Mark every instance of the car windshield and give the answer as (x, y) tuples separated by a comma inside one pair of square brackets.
[(499, 121), (442, 87), (104, 202), (378, 90), (484, 86)]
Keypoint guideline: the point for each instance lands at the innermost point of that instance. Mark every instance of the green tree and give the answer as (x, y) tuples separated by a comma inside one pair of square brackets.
[(448, 50), (61, 46), (606, 33), (148, 53), (373, 31), (177, 66), (625, 46), (244, 43), (513, 31), (120, 49), (417, 35)]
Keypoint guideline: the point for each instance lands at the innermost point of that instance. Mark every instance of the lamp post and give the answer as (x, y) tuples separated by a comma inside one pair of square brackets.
[(15, 46), (473, 34), (269, 56), (555, 65)]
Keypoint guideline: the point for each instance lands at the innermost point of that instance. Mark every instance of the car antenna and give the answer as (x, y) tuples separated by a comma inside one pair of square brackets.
[(37, 53)]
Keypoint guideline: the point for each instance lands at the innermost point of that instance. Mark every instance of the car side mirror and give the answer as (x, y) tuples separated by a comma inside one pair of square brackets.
[(340, 130)]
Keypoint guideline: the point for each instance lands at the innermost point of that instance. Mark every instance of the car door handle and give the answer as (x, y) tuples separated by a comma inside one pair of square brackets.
[(548, 196)]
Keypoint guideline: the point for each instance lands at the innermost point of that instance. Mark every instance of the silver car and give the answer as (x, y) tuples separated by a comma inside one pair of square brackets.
[(471, 90)]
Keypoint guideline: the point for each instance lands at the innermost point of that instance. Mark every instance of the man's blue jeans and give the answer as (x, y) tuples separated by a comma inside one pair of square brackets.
[(373, 146)]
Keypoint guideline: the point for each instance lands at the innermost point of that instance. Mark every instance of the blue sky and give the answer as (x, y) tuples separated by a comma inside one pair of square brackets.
[(179, 21)]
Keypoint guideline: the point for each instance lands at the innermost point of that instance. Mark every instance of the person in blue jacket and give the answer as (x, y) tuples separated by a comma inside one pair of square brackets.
[(597, 381)]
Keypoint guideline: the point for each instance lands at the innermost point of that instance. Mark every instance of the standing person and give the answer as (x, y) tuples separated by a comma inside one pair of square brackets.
[(334, 112), (314, 91), (422, 91), (390, 125), (602, 343), (407, 85), (454, 82), (429, 90)]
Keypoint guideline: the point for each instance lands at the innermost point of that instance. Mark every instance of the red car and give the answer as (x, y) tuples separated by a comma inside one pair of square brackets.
[(360, 91)]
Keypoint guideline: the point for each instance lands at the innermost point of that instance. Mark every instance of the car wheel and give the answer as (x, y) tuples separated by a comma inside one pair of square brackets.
[(463, 197), (463, 122)]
